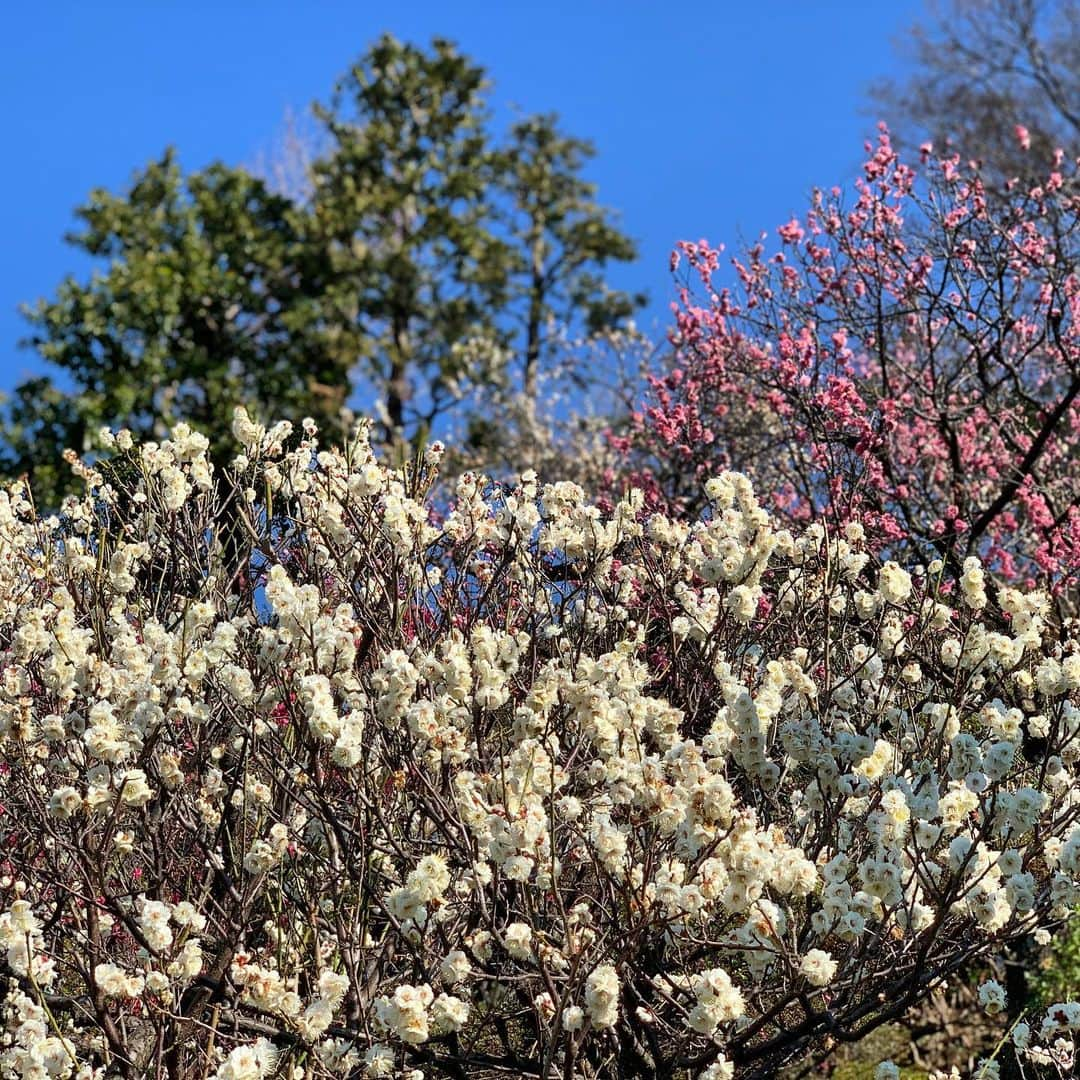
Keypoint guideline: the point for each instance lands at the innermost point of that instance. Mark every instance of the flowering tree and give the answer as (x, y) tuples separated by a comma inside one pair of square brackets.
[(526, 788), (911, 362)]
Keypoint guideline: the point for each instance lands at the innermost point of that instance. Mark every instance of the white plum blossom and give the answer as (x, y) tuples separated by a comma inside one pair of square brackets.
[(492, 761), (819, 967)]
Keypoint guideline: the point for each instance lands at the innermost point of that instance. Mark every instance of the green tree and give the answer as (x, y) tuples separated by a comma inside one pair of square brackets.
[(404, 212), (427, 262), (208, 299), (560, 311), (40, 422), (562, 242)]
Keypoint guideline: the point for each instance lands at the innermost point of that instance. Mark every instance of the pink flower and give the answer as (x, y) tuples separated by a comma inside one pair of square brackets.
[(811, 369), (792, 232)]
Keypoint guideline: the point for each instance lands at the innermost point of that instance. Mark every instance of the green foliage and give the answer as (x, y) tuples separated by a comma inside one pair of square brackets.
[(1057, 978), (429, 259), (561, 243), (207, 300), (41, 420), (403, 212), (859, 1070)]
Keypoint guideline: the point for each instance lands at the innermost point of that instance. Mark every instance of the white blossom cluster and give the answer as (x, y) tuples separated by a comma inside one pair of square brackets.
[(500, 780)]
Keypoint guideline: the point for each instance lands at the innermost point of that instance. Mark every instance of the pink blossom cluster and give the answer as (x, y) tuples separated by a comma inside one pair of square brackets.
[(908, 358)]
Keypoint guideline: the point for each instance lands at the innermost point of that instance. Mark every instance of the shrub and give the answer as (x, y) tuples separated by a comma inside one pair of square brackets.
[(506, 786)]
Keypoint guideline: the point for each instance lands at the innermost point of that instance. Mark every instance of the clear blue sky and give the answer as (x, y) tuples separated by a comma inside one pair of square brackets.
[(712, 118)]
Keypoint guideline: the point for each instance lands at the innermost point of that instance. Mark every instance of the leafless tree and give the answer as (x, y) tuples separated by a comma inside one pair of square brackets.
[(979, 69)]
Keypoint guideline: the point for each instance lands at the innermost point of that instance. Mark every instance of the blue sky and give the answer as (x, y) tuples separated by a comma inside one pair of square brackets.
[(711, 119)]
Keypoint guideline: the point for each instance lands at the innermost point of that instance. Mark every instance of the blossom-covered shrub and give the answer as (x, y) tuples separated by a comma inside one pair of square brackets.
[(509, 787), (908, 359)]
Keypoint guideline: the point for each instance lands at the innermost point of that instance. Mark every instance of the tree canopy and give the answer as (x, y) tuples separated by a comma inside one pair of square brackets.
[(430, 257)]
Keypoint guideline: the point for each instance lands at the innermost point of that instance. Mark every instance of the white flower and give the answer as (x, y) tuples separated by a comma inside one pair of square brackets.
[(742, 602), (333, 986), (316, 1018), (65, 802), (573, 1018), (992, 997), (185, 913), (720, 1069), (379, 1060), (818, 967), (449, 1013), (406, 1013), (973, 584), (134, 790), (114, 981), (718, 1000), (517, 940), (254, 1062), (894, 583), (431, 878), (154, 923), (602, 996), (455, 967)]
